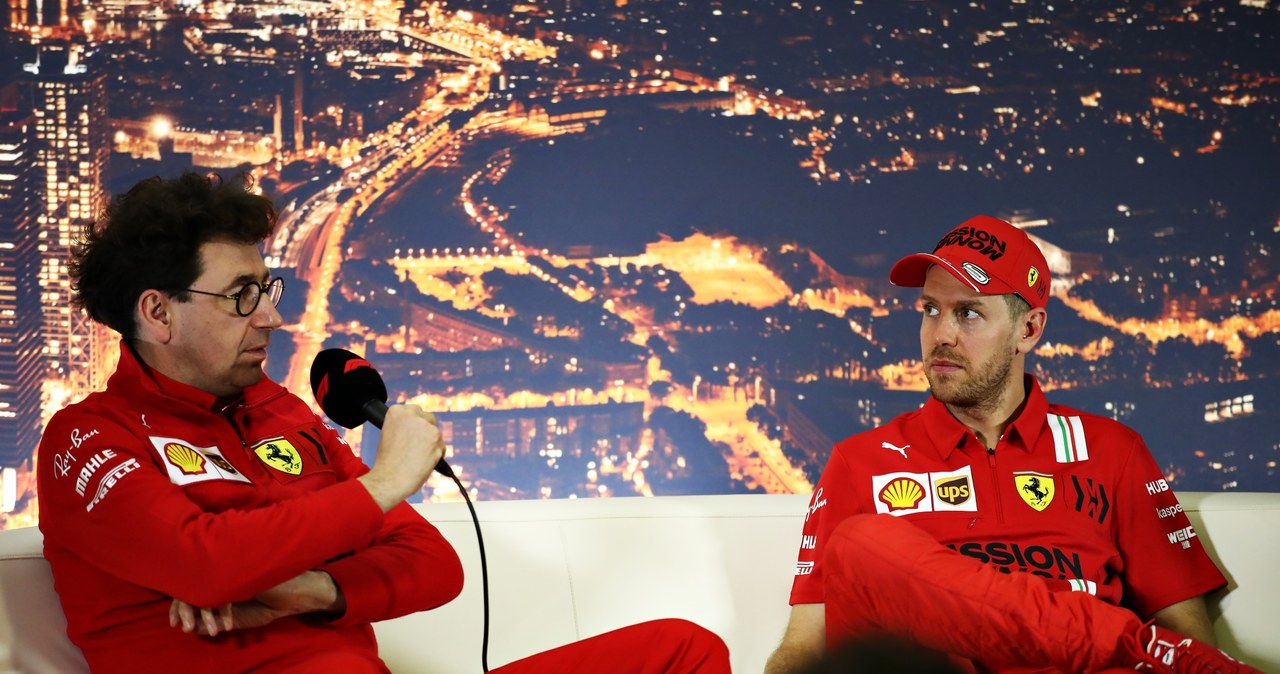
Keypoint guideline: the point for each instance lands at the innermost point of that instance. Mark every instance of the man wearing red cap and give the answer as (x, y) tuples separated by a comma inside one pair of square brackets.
[(1014, 534)]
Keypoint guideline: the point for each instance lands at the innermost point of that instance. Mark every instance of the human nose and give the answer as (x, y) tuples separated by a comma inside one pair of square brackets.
[(944, 330), (266, 315)]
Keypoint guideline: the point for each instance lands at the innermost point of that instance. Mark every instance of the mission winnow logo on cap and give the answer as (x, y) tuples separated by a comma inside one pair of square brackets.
[(987, 254)]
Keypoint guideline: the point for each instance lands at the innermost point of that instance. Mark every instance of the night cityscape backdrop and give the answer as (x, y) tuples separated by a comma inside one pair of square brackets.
[(641, 247)]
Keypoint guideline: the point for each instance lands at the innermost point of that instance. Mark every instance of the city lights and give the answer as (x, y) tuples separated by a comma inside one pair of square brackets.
[(643, 250)]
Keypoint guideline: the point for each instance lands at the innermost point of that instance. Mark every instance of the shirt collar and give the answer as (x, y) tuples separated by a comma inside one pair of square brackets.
[(947, 434), (133, 372)]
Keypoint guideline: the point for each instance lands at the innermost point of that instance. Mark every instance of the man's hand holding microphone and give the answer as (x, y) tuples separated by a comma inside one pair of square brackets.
[(351, 392), (410, 448)]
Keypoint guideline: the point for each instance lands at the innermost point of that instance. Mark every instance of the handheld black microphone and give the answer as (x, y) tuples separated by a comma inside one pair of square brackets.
[(351, 392)]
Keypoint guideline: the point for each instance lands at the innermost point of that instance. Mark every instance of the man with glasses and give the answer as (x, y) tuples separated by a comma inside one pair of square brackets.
[(200, 518)]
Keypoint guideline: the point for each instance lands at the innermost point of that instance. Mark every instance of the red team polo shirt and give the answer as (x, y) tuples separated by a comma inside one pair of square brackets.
[(1069, 496)]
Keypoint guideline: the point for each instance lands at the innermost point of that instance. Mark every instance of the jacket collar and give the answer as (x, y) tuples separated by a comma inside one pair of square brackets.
[(132, 375)]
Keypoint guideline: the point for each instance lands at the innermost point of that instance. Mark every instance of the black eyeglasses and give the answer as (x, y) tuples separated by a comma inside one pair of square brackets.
[(248, 297)]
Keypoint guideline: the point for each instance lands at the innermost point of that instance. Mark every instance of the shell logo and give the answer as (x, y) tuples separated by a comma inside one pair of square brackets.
[(902, 493), (188, 460)]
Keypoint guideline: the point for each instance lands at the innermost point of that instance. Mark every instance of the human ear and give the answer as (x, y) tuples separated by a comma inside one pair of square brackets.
[(154, 315), (1031, 329)]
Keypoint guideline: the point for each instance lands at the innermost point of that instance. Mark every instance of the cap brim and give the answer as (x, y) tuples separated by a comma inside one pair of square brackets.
[(911, 270)]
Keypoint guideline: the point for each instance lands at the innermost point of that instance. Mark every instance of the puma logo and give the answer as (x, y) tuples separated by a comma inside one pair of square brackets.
[(901, 450)]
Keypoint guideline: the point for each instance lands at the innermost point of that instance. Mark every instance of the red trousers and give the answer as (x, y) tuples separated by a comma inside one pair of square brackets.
[(656, 647), (885, 575)]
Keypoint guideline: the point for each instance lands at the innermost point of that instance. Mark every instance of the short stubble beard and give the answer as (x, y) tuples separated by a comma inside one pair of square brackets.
[(982, 391)]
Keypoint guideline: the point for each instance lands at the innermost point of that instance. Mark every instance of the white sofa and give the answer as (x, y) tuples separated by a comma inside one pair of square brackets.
[(563, 570)]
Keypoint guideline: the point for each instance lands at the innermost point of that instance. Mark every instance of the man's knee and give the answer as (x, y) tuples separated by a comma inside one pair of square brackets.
[(867, 528), (860, 526), (696, 647), (693, 636), (864, 532), (865, 545)]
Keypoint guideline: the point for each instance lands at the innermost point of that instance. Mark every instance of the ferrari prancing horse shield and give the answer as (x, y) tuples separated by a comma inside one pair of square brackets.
[(1035, 488), (281, 455)]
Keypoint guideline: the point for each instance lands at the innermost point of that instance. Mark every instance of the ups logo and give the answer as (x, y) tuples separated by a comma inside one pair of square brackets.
[(953, 490)]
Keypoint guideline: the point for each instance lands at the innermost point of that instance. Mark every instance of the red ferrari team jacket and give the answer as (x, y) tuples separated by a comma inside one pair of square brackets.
[(153, 490)]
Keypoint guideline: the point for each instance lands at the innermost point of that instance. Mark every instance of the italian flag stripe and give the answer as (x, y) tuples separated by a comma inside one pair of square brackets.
[(1068, 439), (1078, 585), (1077, 434)]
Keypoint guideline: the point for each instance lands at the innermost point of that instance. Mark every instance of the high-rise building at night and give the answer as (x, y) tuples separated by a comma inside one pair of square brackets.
[(71, 151), (106, 10), (29, 13), (299, 135), (21, 362), (520, 432)]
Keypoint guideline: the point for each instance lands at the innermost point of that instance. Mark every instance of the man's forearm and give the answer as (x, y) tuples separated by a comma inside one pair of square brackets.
[(309, 592), (789, 659), (1189, 617), (803, 643)]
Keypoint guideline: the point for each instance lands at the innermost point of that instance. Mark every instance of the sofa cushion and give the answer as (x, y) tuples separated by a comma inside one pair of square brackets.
[(568, 569)]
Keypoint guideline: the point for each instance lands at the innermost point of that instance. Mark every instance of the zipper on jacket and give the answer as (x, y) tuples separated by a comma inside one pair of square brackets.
[(228, 410), (995, 484), (226, 413)]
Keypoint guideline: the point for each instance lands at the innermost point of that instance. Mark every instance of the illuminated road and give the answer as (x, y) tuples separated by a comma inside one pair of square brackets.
[(316, 246), (314, 232)]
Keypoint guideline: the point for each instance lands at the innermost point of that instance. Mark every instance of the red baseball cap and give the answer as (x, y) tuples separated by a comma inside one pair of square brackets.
[(987, 254)]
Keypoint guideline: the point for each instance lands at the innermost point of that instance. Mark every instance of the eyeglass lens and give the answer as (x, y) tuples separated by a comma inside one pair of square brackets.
[(251, 294)]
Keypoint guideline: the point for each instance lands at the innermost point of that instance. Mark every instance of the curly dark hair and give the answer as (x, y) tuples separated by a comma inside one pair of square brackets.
[(150, 238)]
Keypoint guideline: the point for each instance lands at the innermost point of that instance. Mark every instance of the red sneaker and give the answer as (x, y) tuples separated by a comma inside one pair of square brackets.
[(1156, 649)]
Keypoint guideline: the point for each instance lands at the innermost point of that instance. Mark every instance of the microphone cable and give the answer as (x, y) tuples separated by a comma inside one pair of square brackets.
[(484, 574), (356, 395)]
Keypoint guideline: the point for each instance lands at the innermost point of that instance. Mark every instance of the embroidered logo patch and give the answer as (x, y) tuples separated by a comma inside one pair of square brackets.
[(909, 493), (903, 493), (1079, 585), (281, 455), (1091, 498), (188, 460), (1069, 443), (188, 463), (976, 273), (954, 490), (1035, 488)]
